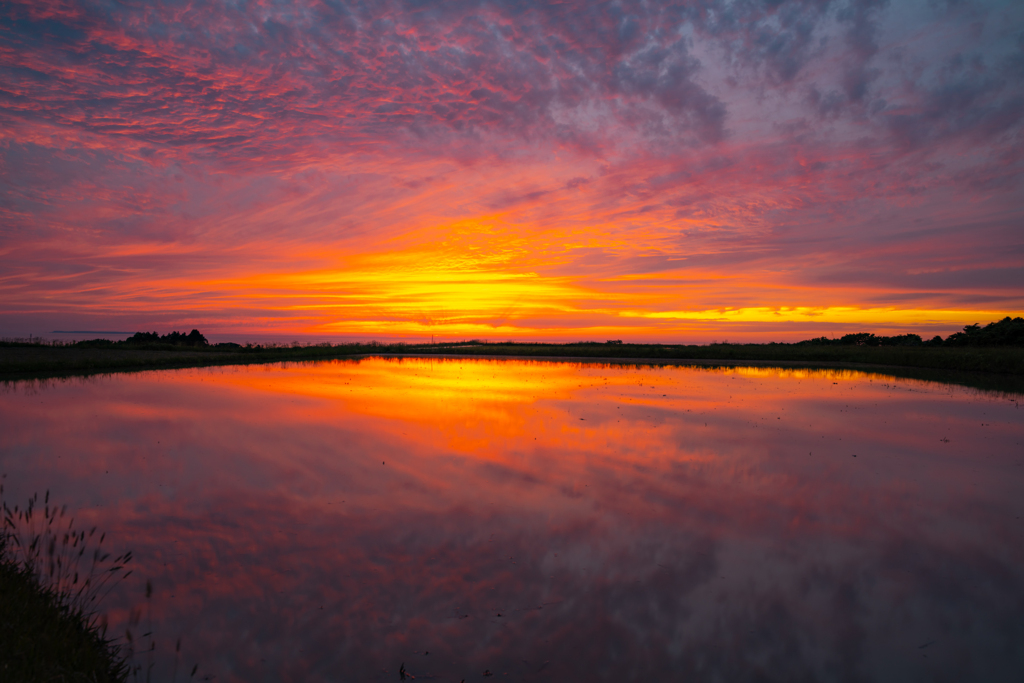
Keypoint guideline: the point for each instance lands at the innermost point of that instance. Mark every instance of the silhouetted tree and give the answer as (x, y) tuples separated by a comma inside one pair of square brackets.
[(193, 338), (1007, 332)]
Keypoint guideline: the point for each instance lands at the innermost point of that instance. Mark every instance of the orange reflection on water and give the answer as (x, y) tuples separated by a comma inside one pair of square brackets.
[(305, 519)]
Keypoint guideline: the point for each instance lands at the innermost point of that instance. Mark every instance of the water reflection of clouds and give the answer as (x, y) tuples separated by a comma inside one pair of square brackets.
[(633, 542)]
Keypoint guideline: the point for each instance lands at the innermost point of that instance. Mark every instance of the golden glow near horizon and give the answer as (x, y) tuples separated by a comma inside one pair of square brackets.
[(471, 294), (459, 288), (530, 197)]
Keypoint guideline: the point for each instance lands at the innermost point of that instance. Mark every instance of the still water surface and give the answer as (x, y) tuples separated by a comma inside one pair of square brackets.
[(546, 521)]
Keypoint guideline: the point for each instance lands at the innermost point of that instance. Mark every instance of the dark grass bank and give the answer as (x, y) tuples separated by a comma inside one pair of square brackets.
[(34, 361), (51, 578), (28, 361), (1001, 382), (1003, 360), (997, 348), (41, 640)]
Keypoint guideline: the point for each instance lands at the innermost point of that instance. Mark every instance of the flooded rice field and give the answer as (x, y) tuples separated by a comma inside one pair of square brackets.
[(554, 521)]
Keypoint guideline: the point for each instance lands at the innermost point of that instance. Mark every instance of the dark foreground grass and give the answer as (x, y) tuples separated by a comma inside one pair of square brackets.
[(42, 640), (51, 578)]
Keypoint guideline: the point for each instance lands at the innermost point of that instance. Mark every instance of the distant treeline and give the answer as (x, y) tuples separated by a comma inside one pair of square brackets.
[(1006, 332), (149, 340), (152, 340), (193, 338), (994, 348)]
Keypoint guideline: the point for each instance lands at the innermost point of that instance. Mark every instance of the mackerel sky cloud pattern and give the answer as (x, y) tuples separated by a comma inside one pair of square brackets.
[(676, 171)]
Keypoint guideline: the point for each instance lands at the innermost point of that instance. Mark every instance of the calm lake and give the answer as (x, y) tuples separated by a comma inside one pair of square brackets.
[(553, 521)]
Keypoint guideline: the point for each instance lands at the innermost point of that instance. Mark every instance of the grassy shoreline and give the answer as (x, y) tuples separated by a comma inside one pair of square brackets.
[(1001, 360), (995, 367), (52, 575), (1009, 385), (43, 640)]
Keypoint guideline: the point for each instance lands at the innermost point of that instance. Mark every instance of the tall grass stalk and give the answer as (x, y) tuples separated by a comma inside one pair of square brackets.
[(52, 577), (68, 562)]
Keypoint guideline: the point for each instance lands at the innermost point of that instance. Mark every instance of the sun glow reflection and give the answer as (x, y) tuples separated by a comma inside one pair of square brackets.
[(448, 491)]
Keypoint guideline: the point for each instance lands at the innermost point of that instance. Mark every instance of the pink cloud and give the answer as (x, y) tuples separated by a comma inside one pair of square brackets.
[(814, 144)]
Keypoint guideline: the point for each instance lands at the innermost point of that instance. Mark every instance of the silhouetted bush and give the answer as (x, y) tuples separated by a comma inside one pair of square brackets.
[(865, 339), (1007, 332), (193, 339), (142, 338)]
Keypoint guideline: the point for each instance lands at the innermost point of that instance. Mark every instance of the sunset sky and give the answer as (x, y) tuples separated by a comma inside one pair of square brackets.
[(651, 171)]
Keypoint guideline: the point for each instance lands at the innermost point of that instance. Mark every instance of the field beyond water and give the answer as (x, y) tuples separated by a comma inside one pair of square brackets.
[(970, 359), (22, 360)]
